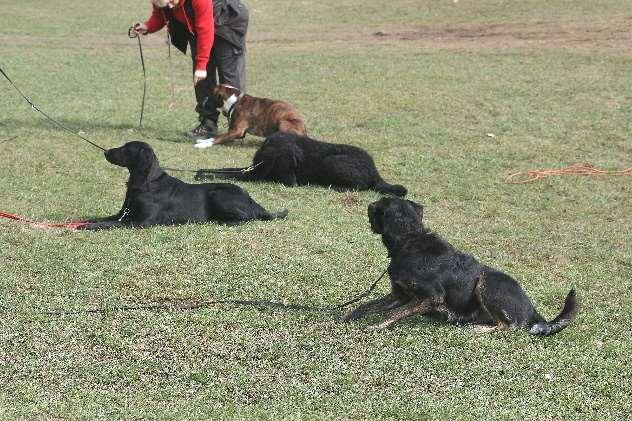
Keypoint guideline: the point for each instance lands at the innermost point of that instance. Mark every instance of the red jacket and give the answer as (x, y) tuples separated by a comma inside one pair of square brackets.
[(203, 27)]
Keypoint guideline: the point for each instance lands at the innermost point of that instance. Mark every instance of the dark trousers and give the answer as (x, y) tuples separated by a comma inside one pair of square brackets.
[(228, 64)]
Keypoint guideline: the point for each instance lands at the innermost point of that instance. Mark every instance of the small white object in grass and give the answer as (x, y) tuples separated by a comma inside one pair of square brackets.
[(491, 135), (548, 376), (210, 139), (207, 143)]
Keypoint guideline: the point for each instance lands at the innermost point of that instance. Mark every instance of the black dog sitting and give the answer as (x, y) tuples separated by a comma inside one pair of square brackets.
[(428, 275), (155, 198), (298, 160)]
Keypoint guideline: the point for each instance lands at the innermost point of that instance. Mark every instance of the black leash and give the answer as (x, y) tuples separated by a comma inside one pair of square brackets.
[(60, 125), (181, 305), (205, 171), (9, 139), (132, 34), (218, 171), (36, 108), (172, 103), (178, 169)]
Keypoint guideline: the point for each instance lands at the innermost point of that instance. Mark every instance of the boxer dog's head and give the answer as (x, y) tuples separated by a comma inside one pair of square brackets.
[(223, 97)]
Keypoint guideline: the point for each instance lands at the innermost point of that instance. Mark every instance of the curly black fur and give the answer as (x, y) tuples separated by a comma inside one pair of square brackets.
[(299, 160)]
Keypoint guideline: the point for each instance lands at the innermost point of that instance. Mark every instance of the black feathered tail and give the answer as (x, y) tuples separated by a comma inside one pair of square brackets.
[(394, 189), (280, 214), (565, 318)]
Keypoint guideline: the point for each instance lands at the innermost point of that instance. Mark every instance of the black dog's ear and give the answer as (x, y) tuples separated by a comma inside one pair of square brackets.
[(145, 159), (297, 154), (376, 218), (139, 173), (419, 208)]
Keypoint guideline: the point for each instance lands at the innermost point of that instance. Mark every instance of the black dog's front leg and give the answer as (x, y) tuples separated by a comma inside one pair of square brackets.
[(110, 218), (388, 302), (416, 306), (120, 215), (290, 179), (103, 225)]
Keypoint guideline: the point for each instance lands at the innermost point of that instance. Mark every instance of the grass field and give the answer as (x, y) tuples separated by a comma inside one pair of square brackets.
[(419, 84)]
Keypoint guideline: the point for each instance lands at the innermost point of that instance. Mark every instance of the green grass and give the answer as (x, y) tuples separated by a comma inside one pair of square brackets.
[(424, 112)]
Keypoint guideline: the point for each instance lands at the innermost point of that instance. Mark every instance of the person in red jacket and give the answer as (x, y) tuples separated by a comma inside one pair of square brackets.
[(216, 32)]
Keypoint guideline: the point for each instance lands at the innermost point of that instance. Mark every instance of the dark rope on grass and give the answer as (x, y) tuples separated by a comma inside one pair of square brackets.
[(192, 306), (218, 171), (9, 139), (36, 108), (178, 169)]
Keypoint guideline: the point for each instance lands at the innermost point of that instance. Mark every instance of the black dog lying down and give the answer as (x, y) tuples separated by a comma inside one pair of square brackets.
[(428, 275), (298, 160), (155, 198)]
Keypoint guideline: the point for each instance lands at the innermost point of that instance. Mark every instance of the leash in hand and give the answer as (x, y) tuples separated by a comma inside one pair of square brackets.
[(132, 34)]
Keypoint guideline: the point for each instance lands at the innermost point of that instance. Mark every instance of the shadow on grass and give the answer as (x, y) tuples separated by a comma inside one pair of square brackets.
[(40, 122), (128, 131), (171, 305)]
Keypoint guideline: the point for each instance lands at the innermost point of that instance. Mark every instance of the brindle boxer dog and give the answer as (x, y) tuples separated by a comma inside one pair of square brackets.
[(429, 275), (249, 114)]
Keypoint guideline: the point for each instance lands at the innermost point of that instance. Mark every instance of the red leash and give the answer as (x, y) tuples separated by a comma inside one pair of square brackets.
[(70, 225), (575, 169)]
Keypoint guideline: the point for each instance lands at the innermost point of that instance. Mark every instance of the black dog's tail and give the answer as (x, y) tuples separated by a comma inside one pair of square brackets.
[(241, 174), (395, 189), (278, 215), (565, 318)]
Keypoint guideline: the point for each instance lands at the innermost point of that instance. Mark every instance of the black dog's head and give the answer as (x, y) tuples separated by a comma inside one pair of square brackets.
[(395, 216), (138, 158)]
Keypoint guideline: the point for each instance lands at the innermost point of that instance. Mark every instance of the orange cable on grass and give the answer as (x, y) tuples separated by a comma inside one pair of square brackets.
[(578, 168)]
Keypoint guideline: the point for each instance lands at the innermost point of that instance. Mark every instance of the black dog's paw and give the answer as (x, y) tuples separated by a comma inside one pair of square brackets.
[(100, 225), (346, 318), (375, 327), (85, 227)]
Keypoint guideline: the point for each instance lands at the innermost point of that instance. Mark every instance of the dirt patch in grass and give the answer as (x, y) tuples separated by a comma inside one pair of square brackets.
[(614, 35), (542, 35)]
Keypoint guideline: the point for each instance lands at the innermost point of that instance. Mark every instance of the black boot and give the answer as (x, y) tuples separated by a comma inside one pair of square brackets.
[(204, 130)]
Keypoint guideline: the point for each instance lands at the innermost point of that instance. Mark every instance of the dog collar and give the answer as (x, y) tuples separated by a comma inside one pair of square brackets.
[(229, 114)]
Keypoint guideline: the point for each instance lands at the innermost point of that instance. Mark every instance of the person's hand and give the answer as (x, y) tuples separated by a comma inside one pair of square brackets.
[(138, 28), (198, 76)]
